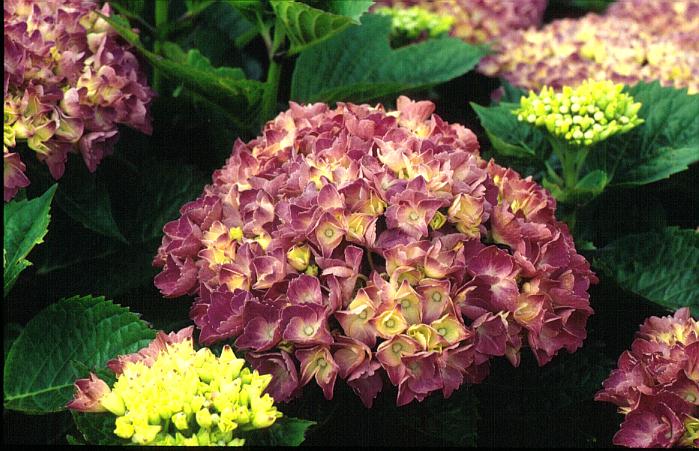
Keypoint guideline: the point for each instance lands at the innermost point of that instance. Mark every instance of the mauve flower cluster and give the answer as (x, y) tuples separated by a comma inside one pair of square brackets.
[(634, 41), (479, 21), (68, 82), (657, 385), (360, 243)]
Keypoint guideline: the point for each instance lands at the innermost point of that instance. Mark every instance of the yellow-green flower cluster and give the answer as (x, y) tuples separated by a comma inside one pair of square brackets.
[(171, 394), (584, 115), (415, 22)]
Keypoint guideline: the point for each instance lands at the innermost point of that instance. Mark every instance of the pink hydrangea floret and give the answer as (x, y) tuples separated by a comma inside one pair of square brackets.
[(69, 81), (656, 385), (376, 247)]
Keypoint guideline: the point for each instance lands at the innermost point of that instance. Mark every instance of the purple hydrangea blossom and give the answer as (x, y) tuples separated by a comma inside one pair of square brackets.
[(635, 40), (375, 247), (656, 385), (69, 81)]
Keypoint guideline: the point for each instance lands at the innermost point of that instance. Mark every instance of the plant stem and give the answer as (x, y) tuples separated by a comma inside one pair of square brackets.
[(269, 97), (160, 23), (371, 260), (243, 40)]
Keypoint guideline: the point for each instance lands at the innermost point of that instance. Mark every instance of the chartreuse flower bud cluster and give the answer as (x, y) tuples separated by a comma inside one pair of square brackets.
[(181, 396), (415, 22), (584, 115)]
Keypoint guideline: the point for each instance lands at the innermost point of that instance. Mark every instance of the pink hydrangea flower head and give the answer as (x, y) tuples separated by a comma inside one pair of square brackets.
[(656, 384), (480, 21), (375, 247), (635, 40), (69, 81)]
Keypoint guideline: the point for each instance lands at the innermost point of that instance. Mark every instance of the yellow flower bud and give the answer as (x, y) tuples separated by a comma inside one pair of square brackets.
[(112, 401), (299, 257), (180, 421), (124, 428)]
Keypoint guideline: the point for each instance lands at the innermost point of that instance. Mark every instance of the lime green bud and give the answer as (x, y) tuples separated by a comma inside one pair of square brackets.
[(203, 437), (113, 402), (411, 23), (144, 434), (438, 220), (236, 233), (203, 418), (226, 422), (299, 257), (124, 428), (583, 115), (180, 421), (312, 270)]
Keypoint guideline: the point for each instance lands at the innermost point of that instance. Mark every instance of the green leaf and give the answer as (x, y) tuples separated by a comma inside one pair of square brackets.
[(660, 266), (224, 87), (450, 422), (197, 6), (286, 431), (10, 334), (592, 5), (587, 188), (359, 65), (510, 137), (612, 215), (306, 26), (98, 428), (40, 368), (250, 9), (159, 203), (511, 94), (26, 223), (84, 197), (195, 59), (667, 143), (89, 263), (350, 8)]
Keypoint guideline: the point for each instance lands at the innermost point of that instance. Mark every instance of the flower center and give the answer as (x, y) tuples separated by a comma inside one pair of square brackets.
[(329, 233), (396, 347), (442, 331), (308, 330), (363, 315), (413, 216), (390, 323), (436, 296), (405, 303), (321, 362)]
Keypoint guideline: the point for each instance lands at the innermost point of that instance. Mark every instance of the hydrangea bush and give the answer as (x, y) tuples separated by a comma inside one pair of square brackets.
[(656, 385), (633, 41), (68, 83), (359, 243), (169, 394), (479, 21)]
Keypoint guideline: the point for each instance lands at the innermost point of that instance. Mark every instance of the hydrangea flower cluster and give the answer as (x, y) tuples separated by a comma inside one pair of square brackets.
[(364, 244), (584, 115), (68, 82), (170, 394), (634, 41), (415, 23), (656, 385), (480, 21)]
